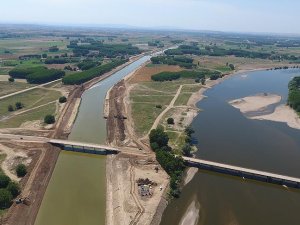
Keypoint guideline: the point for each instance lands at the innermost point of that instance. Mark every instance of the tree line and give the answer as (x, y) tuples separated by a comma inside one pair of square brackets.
[(36, 75), (199, 74), (80, 78), (217, 51), (103, 50), (182, 61)]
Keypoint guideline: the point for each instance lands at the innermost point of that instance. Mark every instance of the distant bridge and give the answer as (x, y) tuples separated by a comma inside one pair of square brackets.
[(243, 172)]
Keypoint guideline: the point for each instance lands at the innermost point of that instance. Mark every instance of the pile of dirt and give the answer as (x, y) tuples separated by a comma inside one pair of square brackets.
[(115, 120)]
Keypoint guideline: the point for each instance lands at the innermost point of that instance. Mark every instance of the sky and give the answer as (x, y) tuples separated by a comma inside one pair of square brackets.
[(266, 16)]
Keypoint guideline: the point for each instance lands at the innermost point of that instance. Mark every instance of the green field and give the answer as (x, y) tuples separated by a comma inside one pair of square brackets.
[(37, 114), (147, 95), (8, 87), (183, 99), (30, 99), (144, 116)]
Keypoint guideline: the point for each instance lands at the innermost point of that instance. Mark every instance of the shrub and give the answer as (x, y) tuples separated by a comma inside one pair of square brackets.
[(62, 99), (170, 121), (158, 106), (19, 105), (49, 119), (5, 198), (11, 79), (186, 150), (21, 170), (231, 66), (13, 188), (4, 180), (10, 108)]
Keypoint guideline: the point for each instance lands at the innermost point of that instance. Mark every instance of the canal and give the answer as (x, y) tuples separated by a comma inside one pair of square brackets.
[(76, 193), (225, 135)]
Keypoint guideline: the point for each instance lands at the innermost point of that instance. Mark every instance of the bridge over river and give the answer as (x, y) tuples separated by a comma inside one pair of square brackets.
[(199, 163), (243, 172)]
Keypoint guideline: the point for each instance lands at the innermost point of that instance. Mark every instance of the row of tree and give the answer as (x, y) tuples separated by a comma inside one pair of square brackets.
[(80, 78), (36, 75), (172, 164), (186, 74), (181, 61)]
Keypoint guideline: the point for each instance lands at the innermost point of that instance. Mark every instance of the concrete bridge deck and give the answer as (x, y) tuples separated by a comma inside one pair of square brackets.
[(76, 146), (244, 172)]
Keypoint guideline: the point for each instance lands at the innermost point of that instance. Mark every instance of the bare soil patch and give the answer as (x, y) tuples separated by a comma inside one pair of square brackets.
[(144, 74)]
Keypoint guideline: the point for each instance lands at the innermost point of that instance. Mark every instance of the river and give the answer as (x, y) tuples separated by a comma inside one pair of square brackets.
[(76, 194), (224, 135)]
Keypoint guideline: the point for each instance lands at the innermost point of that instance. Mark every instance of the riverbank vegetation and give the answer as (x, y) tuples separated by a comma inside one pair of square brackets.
[(80, 78), (294, 94), (172, 164)]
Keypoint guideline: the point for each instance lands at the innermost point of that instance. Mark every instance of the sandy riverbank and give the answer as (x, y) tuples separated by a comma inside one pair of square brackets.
[(282, 113), (255, 103)]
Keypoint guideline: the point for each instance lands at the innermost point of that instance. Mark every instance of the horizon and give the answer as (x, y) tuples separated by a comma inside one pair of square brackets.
[(193, 15), (137, 28)]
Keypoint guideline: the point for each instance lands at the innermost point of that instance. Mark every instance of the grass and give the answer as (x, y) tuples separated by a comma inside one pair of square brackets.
[(147, 95), (183, 99), (33, 115), (30, 99), (8, 87), (4, 70), (155, 99), (144, 116), (190, 88), (223, 69)]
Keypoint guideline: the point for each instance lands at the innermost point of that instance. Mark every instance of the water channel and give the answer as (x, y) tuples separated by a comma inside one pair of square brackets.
[(76, 193), (225, 135)]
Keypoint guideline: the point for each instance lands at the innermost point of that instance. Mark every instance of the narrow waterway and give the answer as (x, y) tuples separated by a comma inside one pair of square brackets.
[(76, 194), (225, 135)]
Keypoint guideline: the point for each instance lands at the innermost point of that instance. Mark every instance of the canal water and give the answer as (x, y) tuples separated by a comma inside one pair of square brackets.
[(76, 194), (225, 135)]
